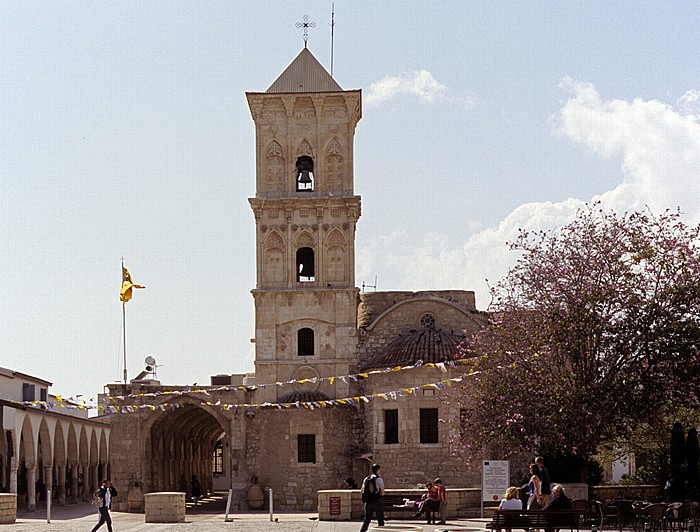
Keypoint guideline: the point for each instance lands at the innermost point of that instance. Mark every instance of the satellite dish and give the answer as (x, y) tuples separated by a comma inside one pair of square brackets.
[(150, 361)]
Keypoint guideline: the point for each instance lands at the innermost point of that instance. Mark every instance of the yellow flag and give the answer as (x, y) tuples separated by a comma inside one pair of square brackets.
[(127, 285)]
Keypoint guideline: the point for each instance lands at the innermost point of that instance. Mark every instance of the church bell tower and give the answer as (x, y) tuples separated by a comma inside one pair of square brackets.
[(305, 216)]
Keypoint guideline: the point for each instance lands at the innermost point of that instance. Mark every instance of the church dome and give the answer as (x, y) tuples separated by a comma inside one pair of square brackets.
[(426, 344)]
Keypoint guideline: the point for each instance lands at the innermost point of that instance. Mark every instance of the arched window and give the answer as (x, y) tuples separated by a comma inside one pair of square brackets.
[(305, 342), (305, 265), (305, 174)]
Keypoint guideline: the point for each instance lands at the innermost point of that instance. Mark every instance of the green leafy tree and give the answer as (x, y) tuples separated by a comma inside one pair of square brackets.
[(596, 325)]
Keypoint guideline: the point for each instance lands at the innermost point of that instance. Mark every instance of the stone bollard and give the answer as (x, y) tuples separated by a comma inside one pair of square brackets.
[(165, 507), (8, 508)]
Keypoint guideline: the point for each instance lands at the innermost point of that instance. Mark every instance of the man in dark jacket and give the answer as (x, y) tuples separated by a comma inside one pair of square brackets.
[(105, 493), (559, 501)]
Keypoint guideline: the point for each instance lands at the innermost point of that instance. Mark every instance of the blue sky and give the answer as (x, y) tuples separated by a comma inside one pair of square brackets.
[(124, 132)]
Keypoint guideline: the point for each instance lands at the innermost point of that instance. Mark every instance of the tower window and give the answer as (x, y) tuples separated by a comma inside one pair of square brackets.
[(428, 425), (305, 174), (305, 265), (305, 342), (391, 426), (306, 448)]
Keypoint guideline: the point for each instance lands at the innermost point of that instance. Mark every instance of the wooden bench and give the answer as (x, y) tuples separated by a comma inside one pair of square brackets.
[(527, 519)]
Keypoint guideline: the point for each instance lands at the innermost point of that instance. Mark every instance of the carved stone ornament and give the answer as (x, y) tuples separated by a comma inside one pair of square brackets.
[(308, 374)]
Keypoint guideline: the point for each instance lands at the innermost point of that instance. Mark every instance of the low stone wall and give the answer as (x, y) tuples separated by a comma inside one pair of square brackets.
[(165, 507), (343, 505), (8, 508), (616, 491)]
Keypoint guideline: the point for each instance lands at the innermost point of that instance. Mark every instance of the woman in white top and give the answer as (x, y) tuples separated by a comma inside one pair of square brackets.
[(511, 501)]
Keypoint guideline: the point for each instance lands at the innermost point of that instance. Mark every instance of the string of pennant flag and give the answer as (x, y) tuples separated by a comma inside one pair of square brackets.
[(310, 405), (442, 366), (69, 404)]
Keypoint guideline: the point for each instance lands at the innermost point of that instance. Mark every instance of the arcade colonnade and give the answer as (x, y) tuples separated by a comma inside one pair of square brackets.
[(42, 450)]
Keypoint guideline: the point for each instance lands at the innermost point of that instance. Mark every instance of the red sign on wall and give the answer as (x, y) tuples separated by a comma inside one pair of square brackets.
[(334, 503)]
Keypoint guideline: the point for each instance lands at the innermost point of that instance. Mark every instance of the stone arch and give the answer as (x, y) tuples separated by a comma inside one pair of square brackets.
[(304, 177), (45, 447), (44, 460), (59, 462), (333, 164), (93, 468), (27, 462), (305, 254), (305, 239), (274, 263), (469, 315), (83, 464), (336, 256), (59, 445), (104, 453), (274, 156), (305, 149), (27, 447), (72, 454), (180, 443)]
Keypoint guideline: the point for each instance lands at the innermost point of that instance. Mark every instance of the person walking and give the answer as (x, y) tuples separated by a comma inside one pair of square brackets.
[(372, 491), (534, 502), (105, 493), (196, 490), (545, 486)]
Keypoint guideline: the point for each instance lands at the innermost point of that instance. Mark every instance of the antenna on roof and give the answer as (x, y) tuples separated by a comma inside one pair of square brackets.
[(370, 285), (332, 33)]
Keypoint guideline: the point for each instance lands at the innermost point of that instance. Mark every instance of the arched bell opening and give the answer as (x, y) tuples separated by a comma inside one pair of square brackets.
[(305, 174)]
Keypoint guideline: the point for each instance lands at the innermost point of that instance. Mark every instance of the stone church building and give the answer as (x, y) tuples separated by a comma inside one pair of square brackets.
[(326, 399)]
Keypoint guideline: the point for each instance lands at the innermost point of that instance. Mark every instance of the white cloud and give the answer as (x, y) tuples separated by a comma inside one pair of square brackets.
[(421, 84), (660, 150), (690, 103)]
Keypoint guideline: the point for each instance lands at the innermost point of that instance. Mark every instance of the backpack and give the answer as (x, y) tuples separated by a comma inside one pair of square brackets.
[(369, 490), (96, 501)]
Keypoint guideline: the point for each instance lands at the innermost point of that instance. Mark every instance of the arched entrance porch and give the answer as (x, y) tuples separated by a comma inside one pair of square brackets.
[(180, 443)]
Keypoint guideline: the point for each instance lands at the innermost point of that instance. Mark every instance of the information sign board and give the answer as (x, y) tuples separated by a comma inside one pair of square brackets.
[(495, 479)]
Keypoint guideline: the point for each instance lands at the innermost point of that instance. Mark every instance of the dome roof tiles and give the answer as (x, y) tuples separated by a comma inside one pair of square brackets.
[(426, 344)]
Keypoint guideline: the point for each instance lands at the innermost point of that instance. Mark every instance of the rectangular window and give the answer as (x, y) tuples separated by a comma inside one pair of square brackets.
[(306, 446), (218, 459), (28, 392), (391, 426), (42, 394), (428, 425), (305, 341)]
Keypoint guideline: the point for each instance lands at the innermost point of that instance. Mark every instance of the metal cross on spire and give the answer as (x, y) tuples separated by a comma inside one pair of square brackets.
[(306, 25)]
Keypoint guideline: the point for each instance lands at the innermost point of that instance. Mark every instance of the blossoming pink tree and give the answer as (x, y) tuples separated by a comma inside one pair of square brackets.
[(594, 328)]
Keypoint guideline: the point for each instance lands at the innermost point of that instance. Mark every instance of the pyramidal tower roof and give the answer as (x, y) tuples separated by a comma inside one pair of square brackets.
[(305, 74)]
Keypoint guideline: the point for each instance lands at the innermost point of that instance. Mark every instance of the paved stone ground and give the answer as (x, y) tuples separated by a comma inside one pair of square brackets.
[(210, 518)]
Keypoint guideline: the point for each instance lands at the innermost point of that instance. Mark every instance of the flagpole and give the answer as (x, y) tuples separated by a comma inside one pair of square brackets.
[(124, 329), (124, 323)]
